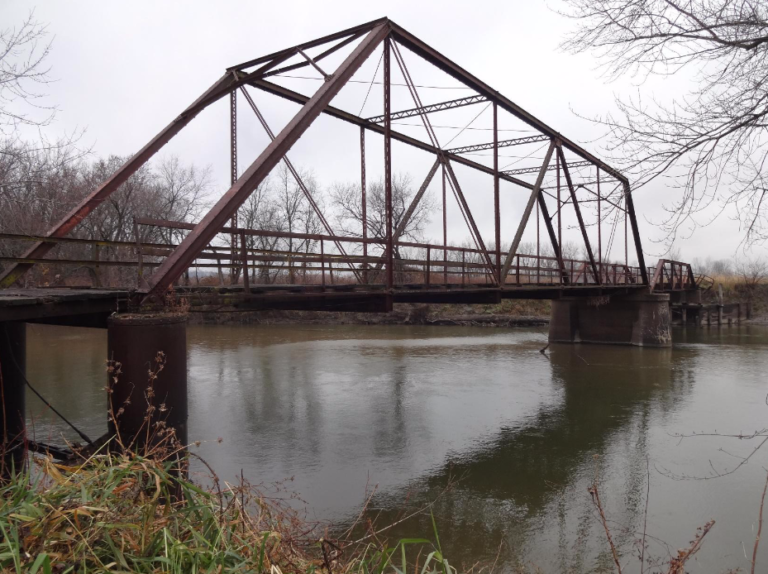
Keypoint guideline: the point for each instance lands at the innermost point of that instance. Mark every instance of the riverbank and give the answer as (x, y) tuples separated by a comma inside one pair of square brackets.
[(506, 314), (135, 513)]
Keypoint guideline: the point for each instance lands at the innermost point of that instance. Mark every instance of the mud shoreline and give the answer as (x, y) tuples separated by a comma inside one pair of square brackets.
[(401, 315)]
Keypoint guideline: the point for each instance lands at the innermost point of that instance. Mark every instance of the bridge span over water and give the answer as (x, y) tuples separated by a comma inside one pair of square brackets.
[(552, 188)]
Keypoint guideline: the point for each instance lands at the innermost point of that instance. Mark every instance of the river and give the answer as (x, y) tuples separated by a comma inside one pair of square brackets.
[(339, 411)]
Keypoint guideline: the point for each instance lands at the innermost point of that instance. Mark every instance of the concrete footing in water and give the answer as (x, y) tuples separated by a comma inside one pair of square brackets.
[(641, 319), (141, 344)]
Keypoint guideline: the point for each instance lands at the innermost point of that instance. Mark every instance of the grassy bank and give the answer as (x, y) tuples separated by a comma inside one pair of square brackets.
[(129, 513)]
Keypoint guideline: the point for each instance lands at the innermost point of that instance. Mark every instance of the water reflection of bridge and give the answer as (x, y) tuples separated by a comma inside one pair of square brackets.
[(531, 479)]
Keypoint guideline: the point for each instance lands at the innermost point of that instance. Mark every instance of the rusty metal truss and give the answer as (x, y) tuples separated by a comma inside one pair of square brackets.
[(379, 258)]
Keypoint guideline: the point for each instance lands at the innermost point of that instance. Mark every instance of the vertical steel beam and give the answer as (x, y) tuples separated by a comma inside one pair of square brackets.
[(527, 211), (496, 205), (233, 271), (388, 163), (322, 262), (599, 226), (139, 255), (626, 237), (244, 257), (577, 209), (445, 232), (630, 205), (363, 203), (218, 90), (538, 244), (217, 217), (559, 206)]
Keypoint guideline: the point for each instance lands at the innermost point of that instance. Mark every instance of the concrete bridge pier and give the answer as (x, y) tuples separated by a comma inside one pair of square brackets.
[(13, 363), (148, 380), (641, 319)]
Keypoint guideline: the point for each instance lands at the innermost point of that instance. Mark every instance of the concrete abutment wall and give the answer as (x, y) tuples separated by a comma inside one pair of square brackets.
[(641, 319)]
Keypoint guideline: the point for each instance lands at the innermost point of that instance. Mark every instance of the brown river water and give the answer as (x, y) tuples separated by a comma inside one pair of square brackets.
[(407, 410)]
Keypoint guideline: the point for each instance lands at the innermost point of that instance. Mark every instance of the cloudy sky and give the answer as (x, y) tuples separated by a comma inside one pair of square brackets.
[(125, 69)]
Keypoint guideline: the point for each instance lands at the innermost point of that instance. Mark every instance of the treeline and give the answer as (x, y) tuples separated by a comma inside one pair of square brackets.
[(40, 185)]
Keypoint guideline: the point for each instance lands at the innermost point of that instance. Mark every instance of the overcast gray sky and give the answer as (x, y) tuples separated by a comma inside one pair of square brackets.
[(125, 69)]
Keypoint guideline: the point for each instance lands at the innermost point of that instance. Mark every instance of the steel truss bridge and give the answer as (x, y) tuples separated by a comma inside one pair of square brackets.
[(370, 271)]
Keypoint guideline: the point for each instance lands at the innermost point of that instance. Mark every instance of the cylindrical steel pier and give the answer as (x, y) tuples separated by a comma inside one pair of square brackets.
[(13, 362), (148, 354)]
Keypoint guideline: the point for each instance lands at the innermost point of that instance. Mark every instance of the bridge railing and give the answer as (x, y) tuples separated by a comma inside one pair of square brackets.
[(269, 257), (669, 275)]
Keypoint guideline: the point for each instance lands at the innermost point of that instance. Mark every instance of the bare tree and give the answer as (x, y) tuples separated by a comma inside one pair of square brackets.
[(260, 211), (23, 51), (36, 190), (347, 200), (752, 273), (296, 213), (711, 142)]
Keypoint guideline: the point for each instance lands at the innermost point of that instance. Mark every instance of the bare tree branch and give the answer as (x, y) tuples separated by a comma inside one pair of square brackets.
[(710, 143)]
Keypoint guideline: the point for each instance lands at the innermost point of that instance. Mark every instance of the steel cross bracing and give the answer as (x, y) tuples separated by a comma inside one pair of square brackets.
[(458, 103), (360, 42), (500, 144), (524, 170)]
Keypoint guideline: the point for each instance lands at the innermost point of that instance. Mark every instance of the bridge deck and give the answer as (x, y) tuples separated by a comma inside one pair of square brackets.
[(90, 307)]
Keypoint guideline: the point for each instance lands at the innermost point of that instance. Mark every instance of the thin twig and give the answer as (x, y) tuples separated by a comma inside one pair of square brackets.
[(759, 526), (593, 490), (645, 514)]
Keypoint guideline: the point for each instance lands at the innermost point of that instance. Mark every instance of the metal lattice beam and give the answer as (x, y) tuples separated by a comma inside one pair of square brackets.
[(461, 102), (502, 143), (524, 170)]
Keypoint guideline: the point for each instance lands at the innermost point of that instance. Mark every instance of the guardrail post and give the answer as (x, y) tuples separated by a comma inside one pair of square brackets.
[(322, 263), (244, 252), (218, 266), (96, 268), (139, 255), (427, 268)]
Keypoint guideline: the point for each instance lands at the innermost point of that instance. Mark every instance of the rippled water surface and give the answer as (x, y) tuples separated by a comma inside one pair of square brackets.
[(517, 435)]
